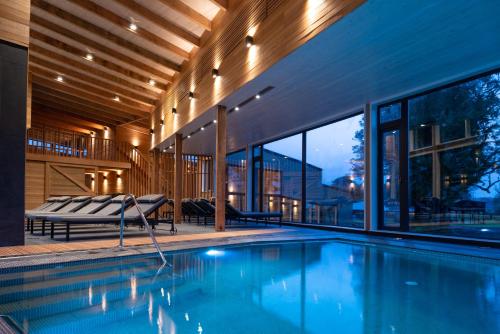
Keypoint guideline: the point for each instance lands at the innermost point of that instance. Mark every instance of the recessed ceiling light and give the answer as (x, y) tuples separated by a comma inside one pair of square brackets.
[(189, 136), (249, 41), (89, 56), (202, 128), (59, 78), (116, 98), (152, 82), (236, 108), (132, 26), (257, 97), (215, 73)]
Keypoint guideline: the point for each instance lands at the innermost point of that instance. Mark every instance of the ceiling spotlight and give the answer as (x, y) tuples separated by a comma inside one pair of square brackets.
[(202, 128), (215, 121), (132, 26), (191, 95), (236, 108), (249, 41), (215, 73), (189, 136), (162, 122), (151, 131), (152, 82), (174, 111), (60, 78), (257, 97), (89, 56), (116, 98)]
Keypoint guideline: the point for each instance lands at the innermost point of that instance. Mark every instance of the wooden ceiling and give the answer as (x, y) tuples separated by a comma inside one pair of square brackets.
[(110, 71)]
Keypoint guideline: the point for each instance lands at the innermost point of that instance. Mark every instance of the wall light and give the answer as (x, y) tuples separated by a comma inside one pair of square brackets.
[(189, 136), (174, 111), (151, 131), (191, 95), (105, 128), (162, 122), (170, 147), (257, 97), (202, 128), (215, 121), (249, 41), (215, 73), (236, 108)]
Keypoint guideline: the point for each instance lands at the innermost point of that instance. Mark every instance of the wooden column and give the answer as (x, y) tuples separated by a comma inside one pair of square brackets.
[(178, 179), (155, 187), (220, 169)]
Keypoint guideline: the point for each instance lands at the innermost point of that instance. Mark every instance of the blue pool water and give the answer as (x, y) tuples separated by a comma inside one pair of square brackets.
[(312, 287)]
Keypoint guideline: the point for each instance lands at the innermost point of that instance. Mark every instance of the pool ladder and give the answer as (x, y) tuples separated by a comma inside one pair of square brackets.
[(146, 225)]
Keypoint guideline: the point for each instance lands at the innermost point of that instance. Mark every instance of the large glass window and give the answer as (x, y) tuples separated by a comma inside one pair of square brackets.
[(282, 177), (454, 156), (335, 173), (237, 179)]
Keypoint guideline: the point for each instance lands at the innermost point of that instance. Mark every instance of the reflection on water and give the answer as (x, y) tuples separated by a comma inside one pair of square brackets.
[(325, 287)]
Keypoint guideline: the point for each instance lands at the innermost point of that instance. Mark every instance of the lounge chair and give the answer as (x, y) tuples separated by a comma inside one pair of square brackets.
[(149, 204), (63, 204), (190, 209), (55, 203), (233, 213)]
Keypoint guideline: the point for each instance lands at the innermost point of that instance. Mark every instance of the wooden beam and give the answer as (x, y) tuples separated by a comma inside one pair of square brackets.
[(78, 161), (188, 12), (40, 51), (118, 106), (68, 81), (222, 4), (83, 106), (123, 23), (161, 21), (178, 179), (96, 30), (220, 169), (68, 72), (44, 115), (102, 48), (97, 60)]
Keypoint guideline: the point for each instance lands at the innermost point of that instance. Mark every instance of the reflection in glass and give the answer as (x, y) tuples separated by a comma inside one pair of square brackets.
[(454, 160), (390, 179), (335, 173), (236, 165), (390, 113), (282, 163)]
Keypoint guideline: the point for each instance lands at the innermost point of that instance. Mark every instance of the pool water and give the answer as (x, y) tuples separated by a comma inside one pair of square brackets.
[(311, 287)]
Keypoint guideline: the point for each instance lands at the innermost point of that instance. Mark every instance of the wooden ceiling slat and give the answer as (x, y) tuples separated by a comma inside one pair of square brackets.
[(222, 4), (160, 21), (43, 111), (68, 17), (38, 50), (53, 103), (98, 92), (102, 48), (188, 12), (118, 106), (123, 23), (83, 106), (67, 72), (100, 61)]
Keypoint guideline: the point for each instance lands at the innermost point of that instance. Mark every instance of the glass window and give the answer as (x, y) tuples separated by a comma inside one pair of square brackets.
[(454, 180), (237, 179), (390, 112), (335, 172), (282, 170)]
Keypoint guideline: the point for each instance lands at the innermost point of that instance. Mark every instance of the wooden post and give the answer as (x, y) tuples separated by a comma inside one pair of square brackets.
[(155, 187), (178, 179), (220, 169)]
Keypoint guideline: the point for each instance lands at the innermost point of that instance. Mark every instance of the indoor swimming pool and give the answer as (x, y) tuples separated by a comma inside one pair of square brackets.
[(296, 287)]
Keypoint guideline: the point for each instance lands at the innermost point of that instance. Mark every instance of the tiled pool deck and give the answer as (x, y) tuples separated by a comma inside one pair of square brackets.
[(189, 237)]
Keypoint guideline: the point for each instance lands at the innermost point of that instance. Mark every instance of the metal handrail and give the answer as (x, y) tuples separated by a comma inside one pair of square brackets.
[(146, 224)]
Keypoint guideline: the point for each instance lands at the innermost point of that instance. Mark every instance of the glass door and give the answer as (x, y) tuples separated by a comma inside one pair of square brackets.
[(390, 180)]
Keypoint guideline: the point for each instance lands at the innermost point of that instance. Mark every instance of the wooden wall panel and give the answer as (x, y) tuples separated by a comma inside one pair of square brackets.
[(278, 28), (35, 184), (66, 180), (14, 21), (134, 135)]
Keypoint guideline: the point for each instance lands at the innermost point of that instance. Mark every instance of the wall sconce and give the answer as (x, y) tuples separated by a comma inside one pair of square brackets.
[(174, 111), (151, 131), (215, 73), (105, 128), (249, 41), (162, 122), (191, 95), (118, 176)]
